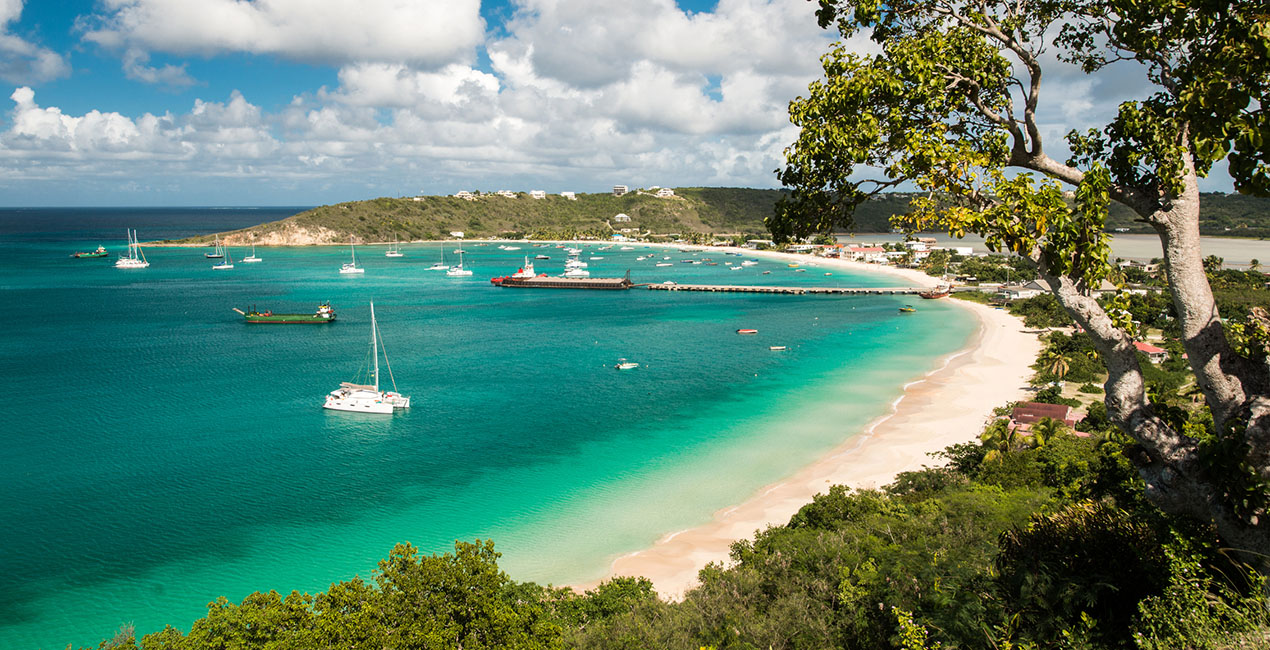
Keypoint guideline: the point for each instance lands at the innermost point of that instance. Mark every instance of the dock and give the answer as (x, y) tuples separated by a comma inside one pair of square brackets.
[(851, 291)]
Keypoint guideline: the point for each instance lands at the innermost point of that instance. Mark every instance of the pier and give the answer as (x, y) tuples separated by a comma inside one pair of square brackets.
[(727, 288)]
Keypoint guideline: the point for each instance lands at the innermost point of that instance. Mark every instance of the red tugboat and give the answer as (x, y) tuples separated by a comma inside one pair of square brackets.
[(525, 277)]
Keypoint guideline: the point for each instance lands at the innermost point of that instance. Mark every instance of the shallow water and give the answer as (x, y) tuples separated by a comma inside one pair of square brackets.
[(160, 452)]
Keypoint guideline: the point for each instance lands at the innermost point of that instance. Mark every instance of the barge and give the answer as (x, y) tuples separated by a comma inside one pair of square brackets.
[(324, 314)]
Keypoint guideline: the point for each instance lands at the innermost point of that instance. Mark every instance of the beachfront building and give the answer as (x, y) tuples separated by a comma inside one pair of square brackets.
[(622, 218), (665, 193), (569, 195), (872, 254), (758, 244), (619, 190), (1019, 292), (1154, 354)]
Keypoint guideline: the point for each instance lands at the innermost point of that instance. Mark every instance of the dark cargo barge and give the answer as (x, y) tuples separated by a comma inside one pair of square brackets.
[(547, 282)]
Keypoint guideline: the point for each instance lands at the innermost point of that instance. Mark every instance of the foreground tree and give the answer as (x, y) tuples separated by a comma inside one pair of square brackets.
[(950, 104)]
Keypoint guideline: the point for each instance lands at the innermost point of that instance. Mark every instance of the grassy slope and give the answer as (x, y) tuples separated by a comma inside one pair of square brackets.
[(706, 210)]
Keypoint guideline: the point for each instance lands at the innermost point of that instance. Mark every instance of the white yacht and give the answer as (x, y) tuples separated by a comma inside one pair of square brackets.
[(134, 259), (228, 263), (458, 271), (367, 398), (252, 257), (395, 249), (216, 254), (576, 273), (352, 267), (440, 266)]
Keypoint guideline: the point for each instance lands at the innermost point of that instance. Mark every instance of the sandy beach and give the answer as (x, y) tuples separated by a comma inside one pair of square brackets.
[(949, 405)]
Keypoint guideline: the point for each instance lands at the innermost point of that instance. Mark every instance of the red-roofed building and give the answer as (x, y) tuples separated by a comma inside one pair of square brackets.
[(1030, 413), (866, 253), (1156, 355)]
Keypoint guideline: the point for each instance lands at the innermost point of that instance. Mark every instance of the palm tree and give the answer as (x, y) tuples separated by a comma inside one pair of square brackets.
[(1254, 264), (1045, 430), (999, 438), (1054, 363)]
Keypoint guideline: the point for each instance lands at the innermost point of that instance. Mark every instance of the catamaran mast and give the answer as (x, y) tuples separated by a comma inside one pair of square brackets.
[(374, 346)]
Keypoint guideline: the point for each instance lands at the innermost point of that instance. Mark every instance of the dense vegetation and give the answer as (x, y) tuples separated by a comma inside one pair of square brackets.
[(695, 210), (1017, 542)]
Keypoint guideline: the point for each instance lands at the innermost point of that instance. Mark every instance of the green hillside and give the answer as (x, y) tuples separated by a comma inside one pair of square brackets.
[(705, 210)]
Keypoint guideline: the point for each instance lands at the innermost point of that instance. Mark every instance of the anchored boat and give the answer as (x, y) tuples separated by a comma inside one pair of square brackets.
[(367, 398), (324, 314)]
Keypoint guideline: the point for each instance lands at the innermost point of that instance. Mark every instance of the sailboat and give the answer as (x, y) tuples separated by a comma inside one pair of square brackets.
[(135, 259), (440, 266), (459, 271), (351, 267), (252, 257), (367, 398), (217, 254), (227, 264), (395, 249)]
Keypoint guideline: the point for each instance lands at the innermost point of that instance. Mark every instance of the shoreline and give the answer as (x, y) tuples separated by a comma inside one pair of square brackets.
[(948, 405)]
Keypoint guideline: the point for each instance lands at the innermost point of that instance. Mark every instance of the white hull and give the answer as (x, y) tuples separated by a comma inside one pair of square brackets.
[(128, 263), (221, 267), (349, 269), (249, 260), (394, 254), (458, 272)]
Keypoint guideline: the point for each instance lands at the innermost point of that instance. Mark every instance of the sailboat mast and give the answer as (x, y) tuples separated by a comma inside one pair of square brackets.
[(374, 345)]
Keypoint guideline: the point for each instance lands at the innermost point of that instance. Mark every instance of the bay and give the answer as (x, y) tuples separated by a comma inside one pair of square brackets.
[(160, 453)]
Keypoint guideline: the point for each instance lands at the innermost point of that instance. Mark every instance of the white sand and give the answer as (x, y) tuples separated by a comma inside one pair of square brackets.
[(948, 406)]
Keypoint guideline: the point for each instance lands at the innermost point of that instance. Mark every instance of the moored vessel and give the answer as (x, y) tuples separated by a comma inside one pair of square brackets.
[(367, 398), (100, 252), (324, 314), (940, 291)]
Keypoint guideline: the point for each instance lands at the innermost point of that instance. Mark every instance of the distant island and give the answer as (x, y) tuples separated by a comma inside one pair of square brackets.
[(687, 212)]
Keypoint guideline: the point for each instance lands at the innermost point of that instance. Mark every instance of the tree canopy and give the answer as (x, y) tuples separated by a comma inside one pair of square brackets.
[(949, 104)]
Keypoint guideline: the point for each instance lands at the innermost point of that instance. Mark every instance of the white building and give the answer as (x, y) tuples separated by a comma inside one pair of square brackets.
[(874, 254), (665, 192), (507, 193), (537, 194), (619, 190), (622, 218), (569, 195), (465, 195)]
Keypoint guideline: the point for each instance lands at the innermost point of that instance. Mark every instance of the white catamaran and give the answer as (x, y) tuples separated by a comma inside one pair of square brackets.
[(367, 398), (135, 259)]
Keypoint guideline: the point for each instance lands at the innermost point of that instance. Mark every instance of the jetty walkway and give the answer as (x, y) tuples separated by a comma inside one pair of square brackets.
[(726, 288)]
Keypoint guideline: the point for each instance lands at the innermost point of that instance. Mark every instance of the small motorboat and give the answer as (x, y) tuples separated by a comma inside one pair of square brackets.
[(623, 364), (907, 309), (746, 331), (777, 348)]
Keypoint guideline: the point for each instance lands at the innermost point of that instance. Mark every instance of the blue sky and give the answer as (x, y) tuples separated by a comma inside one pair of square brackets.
[(287, 102)]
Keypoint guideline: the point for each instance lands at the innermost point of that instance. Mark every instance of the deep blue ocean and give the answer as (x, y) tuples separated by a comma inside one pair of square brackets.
[(158, 452)]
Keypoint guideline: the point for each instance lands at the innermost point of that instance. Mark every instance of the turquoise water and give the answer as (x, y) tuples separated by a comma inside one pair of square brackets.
[(160, 453)]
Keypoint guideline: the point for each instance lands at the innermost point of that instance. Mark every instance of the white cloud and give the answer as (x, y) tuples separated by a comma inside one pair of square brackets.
[(22, 61), (429, 34), (134, 67)]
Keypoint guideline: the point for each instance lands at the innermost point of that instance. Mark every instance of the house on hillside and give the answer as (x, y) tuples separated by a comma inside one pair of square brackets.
[(619, 190), (1020, 292), (665, 192), (507, 193), (569, 195), (1155, 354), (537, 194), (465, 195), (622, 218)]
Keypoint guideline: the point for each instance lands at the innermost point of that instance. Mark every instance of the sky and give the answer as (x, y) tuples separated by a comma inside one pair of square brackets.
[(306, 102)]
